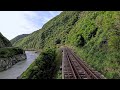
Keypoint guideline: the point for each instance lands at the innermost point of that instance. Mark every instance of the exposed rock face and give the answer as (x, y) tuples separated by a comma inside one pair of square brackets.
[(6, 63)]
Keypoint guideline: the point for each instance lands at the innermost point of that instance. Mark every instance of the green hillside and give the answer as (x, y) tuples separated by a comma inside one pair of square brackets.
[(18, 38), (57, 28), (94, 35), (6, 49), (4, 42)]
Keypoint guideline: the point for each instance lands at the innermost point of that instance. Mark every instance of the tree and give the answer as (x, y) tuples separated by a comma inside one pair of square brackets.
[(58, 41), (80, 41)]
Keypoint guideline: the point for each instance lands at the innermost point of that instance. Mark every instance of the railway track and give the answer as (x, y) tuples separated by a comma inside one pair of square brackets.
[(74, 68)]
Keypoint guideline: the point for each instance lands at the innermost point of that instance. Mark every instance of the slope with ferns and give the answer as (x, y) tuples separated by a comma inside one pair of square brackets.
[(94, 35)]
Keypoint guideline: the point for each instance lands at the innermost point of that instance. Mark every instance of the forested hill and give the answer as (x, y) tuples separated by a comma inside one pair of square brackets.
[(18, 38), (94, 35), (4, 42), (56, 28)]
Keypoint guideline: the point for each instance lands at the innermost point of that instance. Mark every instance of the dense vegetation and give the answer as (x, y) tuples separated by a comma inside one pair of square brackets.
[(53, 32), (94, 35), (18, 38), (4, 42), (44, 67), (6, 49), (98, 34), (10, 51)]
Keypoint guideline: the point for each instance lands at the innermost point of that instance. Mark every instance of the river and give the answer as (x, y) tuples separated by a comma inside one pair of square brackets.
[(17, 69)]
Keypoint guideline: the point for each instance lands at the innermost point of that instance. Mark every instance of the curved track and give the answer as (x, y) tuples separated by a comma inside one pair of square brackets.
[(74, 68)]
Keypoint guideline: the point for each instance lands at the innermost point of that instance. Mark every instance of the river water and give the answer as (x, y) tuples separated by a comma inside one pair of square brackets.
[(17, 69)]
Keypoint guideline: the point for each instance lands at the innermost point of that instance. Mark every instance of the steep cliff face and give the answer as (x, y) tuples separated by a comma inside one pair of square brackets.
[(4, 42), (9, 55), (8, 62)]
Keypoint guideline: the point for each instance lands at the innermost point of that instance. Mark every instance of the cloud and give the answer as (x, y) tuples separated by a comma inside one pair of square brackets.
[(40, 17), (52, 13), (13, 23)]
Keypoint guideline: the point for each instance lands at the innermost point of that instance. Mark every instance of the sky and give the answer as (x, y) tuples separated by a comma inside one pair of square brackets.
[(13, 23)]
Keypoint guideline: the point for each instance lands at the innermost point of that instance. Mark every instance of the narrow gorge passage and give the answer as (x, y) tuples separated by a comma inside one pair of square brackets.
[(20, 67)]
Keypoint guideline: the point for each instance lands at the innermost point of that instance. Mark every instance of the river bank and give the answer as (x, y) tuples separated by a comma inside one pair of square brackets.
[(20, 67)]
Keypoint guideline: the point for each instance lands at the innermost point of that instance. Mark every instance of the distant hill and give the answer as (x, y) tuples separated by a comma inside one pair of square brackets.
[(18, 38), (94, 36), (4, 42)]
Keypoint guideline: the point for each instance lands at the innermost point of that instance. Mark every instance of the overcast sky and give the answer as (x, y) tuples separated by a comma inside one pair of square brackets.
[(13, 23)]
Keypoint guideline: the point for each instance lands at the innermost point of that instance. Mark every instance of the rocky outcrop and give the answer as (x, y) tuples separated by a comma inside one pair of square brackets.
[(6, 63)]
